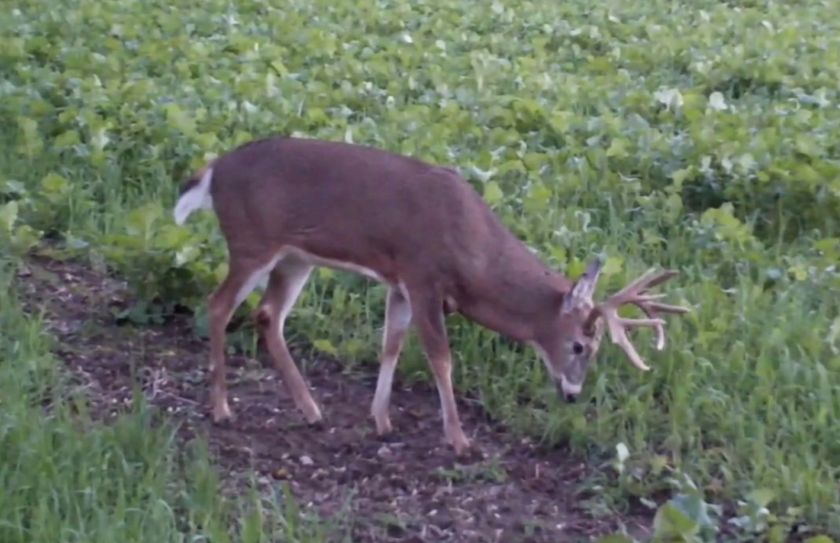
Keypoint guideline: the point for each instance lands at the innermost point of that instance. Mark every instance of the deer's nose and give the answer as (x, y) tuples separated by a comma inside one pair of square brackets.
[(569, 391)]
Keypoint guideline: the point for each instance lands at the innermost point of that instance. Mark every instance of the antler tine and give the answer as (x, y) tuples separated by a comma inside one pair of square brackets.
[(663, 276), (651, 309), (618, 335), (660, 329), (636, 293), (664, 308), (632, 287)]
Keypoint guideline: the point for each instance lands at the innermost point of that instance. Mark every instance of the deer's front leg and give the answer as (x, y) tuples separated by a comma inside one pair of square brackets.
[(431, 328), (397, 321)]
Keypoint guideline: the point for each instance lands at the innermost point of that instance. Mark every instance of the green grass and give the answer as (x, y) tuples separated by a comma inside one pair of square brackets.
[(699, 135), (67, 478)]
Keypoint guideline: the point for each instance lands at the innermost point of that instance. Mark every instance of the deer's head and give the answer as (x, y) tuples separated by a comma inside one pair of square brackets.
[(575, 337)]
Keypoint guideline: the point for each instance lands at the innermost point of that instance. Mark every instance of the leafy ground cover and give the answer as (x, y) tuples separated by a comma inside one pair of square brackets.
[(697, 135)]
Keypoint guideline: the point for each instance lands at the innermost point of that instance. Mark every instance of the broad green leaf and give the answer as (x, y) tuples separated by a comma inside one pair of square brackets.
[(617, 148), (99, 139), (29, 127), (576, 268), (8, 215), (798, 272), (179, 119), (561, 120), (658, 463), (207, 140), (326, 346), (680, 176), (538, 198), (761, 496), (830, 246), (140, 220), (777, 534), (54, 185), (612, 266), (534, 161), (15, 188), (32, 142), (67, 139), (25, 238), (220, 271), (808, 146), (670, 522), (673, 207), (511, 166), (186, 254), (279, 68), (493, 193)]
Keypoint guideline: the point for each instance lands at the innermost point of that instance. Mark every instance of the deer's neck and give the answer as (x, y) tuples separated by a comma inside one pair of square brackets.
[(514, 293)]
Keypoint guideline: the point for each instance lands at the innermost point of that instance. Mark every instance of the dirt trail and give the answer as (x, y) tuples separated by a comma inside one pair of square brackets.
[(408, 487)]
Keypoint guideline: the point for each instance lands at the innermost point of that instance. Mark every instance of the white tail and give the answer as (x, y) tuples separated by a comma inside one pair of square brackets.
[(195, 196), (286, 205)]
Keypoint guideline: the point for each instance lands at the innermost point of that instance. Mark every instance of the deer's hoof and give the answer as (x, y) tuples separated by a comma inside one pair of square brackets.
[(222, 412)]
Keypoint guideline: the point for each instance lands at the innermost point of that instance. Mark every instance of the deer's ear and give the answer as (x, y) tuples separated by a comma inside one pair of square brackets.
[(584, 287)]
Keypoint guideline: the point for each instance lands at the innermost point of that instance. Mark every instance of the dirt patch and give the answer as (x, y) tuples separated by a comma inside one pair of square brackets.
[(408, 487)]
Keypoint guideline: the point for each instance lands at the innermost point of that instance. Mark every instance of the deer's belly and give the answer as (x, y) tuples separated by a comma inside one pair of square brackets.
[(316, 260)]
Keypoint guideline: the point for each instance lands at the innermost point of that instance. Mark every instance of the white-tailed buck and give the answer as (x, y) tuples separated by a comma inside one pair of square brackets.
[(285, 205)]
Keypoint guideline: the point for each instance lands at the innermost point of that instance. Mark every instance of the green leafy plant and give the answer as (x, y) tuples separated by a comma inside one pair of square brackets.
[(701, 136), (19, 238), (163, 262)]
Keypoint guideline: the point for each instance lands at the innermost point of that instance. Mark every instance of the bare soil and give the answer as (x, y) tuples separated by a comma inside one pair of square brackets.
[(407, 487)]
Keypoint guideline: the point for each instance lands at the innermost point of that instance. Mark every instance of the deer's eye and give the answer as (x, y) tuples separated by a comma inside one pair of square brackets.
[(577, 347)]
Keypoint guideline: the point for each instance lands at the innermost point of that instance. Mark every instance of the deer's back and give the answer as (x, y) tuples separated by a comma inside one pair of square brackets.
[(352, 203)]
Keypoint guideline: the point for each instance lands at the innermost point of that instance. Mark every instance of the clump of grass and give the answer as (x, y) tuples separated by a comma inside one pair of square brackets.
[(68, 478)]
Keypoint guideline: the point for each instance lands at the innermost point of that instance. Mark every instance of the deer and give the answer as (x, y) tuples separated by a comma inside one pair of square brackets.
[(286, 205)]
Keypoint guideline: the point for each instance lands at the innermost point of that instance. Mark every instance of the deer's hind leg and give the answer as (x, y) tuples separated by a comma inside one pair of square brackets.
[(243, 276), (285, 283)]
